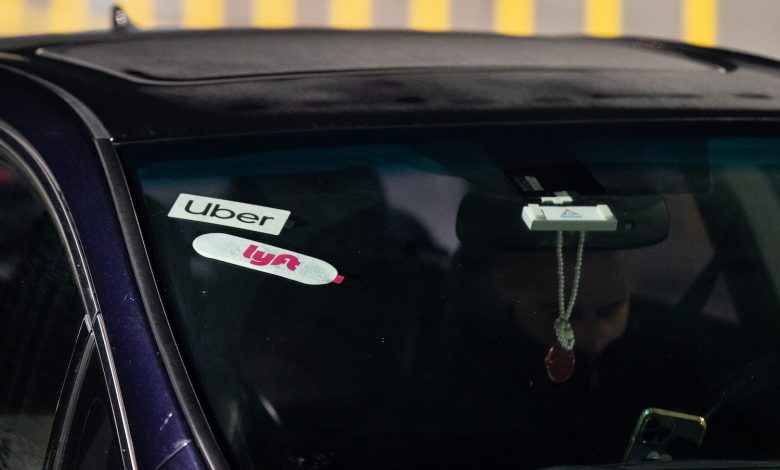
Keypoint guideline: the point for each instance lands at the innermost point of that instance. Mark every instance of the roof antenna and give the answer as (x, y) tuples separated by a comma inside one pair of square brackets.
[(120, 22)]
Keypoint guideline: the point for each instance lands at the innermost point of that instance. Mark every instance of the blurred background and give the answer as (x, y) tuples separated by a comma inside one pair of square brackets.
[(748, 25)]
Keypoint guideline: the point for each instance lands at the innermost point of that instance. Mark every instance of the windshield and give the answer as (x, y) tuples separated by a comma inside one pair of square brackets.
[(402, 299)]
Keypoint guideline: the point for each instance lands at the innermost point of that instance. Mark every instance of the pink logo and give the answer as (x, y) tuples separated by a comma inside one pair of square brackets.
[(261, 258)]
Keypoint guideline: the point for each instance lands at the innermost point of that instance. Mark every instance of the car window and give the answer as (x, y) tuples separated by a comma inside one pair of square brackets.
[(91, 440), (395, 300), (40, 313)]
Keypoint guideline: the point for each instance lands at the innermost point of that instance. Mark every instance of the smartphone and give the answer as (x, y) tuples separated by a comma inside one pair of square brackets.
[(664, 435)]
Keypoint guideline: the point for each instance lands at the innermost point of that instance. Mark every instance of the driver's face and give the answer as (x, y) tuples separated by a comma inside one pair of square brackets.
[(600, 314)]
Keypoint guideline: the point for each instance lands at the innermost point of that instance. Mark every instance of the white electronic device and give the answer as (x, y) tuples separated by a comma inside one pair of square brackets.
[(546, 218)]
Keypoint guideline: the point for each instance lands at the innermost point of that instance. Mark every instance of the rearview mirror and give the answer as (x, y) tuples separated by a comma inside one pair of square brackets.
[(489, 221)]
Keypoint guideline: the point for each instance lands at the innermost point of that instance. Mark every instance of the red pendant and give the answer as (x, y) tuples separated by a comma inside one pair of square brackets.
[(560, 364)]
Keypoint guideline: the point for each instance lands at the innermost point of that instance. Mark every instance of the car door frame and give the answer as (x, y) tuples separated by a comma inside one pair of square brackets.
[(23, 156)]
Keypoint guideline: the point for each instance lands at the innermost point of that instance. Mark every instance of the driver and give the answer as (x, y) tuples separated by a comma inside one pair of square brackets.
[(621, 368), (529, 283)]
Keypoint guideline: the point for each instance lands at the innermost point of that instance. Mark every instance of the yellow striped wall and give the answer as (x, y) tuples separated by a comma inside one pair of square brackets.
[(697, 21)]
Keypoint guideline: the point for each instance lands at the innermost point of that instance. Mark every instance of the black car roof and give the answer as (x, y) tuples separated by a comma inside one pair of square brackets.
[(178, 84), (231, 54)]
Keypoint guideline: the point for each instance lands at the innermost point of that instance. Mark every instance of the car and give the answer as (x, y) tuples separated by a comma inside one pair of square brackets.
[(337, 249)]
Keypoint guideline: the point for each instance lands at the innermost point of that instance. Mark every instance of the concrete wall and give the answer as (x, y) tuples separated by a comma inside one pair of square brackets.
[(750, 25)]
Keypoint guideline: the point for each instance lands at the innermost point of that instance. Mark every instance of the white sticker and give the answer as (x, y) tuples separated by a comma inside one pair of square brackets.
[(229, 213), (266, 258)]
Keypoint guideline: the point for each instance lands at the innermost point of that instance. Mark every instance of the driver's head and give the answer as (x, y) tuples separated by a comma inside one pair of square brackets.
[(600, 314)]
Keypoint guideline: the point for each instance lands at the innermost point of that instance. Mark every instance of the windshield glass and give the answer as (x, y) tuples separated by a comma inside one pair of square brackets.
[(402, 299)]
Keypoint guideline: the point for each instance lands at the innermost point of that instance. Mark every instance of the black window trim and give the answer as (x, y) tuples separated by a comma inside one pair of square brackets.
[(88, 343), (151, 297), (23, 156)]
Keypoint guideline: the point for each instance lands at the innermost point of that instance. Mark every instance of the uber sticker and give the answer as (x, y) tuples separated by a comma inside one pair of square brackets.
[(230, 213), (266, 258)]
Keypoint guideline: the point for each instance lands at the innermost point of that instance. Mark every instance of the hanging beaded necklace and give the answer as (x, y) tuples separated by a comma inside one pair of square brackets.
[(560, 358)]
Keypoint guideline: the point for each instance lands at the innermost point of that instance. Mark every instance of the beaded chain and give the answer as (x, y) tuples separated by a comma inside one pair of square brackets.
[(563, 329)]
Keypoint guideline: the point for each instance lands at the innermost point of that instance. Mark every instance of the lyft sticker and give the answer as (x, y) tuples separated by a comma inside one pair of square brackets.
[(229, 213), (266, 258)]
